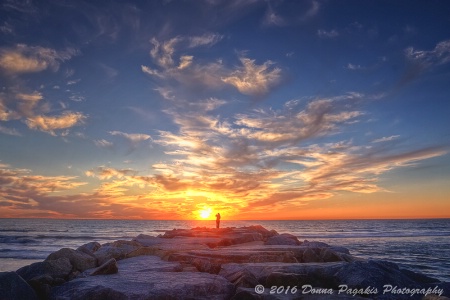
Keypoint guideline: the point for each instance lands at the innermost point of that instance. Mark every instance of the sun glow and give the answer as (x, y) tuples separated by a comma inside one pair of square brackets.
[(205, 213)]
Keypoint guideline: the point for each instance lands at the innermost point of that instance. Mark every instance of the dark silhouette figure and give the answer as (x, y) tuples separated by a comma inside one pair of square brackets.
[(217, 220)]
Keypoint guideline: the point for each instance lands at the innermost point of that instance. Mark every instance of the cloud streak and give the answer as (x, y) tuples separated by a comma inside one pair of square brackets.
[(31, 59), (249, 79), (17, 103), (252, 79), (438, 56)]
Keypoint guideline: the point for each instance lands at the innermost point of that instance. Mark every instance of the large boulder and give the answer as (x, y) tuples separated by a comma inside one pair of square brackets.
[(146, 277), (58, 268), (283, 239), (12, 286), (243, 293), (377, 274), (117, 250), (79, 260), (211, 260), (226, 236), (271, 273), (89, 248), (109, 267)]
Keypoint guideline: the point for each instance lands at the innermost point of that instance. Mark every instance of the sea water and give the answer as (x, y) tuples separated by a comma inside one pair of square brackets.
[(417, 245)]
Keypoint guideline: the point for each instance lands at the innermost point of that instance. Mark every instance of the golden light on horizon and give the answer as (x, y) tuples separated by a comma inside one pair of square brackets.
[(205, 213)]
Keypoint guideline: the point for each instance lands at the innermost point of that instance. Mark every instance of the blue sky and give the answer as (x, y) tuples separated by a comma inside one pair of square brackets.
[(257, 109)]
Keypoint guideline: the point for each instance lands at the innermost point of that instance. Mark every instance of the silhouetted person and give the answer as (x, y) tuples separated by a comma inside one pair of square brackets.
[(217, 220)]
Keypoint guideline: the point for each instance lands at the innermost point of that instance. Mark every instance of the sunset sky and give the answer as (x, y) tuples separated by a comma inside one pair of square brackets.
[(254, 109)]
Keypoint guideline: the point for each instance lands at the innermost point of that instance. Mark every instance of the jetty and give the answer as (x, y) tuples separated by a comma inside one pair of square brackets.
[(208, 263)]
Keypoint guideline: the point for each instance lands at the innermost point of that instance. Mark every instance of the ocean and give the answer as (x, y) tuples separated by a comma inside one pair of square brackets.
[(417, 245)]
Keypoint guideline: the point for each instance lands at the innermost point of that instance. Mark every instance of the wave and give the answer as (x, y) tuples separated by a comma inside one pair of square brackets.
[(17, 240), (75, 237), (346, 235), (17, 230), (21, 254)]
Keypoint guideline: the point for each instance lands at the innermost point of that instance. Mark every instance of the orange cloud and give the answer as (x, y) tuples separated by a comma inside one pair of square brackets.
[(51, 123), (254, 79), (29, 59)]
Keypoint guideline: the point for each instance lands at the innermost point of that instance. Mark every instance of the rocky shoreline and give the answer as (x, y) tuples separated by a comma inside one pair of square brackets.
[(207, 263)]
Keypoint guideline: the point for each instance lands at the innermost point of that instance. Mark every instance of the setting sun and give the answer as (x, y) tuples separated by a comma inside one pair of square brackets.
[(205, 213)]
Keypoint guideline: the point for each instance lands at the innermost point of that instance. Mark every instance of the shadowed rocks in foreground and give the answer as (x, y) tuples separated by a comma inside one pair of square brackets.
[(206, 263)]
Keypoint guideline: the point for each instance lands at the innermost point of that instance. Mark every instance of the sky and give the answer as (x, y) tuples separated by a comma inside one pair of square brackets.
[(255, 109)]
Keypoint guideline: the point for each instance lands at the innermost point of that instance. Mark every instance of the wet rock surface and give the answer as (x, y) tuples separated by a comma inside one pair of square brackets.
[(207, 263)]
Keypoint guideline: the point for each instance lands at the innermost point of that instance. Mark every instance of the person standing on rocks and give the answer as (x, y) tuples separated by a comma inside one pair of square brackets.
[(217, 220)]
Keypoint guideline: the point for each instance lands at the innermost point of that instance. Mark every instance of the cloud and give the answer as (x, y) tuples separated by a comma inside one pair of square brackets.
[(51, 123), (259, 159), (272, 18), (24, 7), (208, 39), (103, 143), (242, 157), (33, 97), (30, 108), (18, 103), (327, 34), (422, 60), (108, 173), (438, 56), (6, 28), (31, 59), (312, 11), (386, 139), (354, 67), (290, 125), (162, 52), (19, 185), (24, 194), (166, 93), (132, 137), (151, 72), (185, 61), (9, 131), (252, 79)]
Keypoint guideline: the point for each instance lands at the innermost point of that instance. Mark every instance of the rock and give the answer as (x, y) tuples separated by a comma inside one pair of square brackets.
[(211, 260), (242, 278), (148, 240), (227, 236), (419, 277), (271, 294), (362, 274), (12, 286), (146, 277), (328, 255), (241, 238), (117, 250), (143, 251), (283, 239), (339, 249), (79, 260), (317, 274), (89, 248), (209, 263), (42, 285), (435, 297), (59, 268), (309, 244), (310, 255), (286, 279), (109, 267)]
